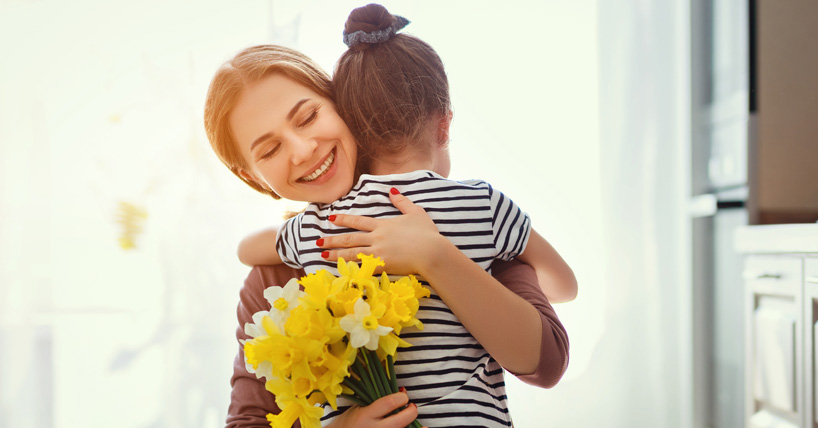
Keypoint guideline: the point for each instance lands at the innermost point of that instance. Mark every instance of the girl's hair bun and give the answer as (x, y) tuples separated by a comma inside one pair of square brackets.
[(371, 24), (369, 18)]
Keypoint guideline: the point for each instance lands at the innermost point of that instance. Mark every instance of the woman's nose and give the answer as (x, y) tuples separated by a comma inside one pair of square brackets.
[(302, 150)]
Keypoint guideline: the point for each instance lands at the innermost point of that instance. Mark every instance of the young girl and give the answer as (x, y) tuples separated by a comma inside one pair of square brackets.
[(392, 92)]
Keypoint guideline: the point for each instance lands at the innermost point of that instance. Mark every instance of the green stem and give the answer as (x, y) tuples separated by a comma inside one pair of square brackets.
[(359, 389), (380, 373), (393, 377), (375, 381), (366, 378)]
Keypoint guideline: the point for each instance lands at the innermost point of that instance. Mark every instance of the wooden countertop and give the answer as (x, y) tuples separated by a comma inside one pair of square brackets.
[(777, 238)]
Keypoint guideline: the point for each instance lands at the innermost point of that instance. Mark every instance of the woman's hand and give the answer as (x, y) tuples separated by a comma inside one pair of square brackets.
[(376, 415), (408, 243)]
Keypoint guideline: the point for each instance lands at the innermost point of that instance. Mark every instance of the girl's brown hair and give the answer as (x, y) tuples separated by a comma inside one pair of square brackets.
[(248, 67), (388, 92)]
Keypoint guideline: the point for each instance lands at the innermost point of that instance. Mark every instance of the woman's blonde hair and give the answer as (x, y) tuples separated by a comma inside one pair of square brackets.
[(246, 68)]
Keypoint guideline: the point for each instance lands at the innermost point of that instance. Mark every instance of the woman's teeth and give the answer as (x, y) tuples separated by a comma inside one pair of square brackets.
[(321, 170)]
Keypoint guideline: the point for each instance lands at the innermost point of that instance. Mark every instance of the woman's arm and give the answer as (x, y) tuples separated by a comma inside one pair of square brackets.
[(521, 279), (259, 248), (250, 402), (556, 278), (508, 326)]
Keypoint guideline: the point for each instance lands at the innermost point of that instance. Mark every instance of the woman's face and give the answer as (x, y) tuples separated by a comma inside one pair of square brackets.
[(293, 141)]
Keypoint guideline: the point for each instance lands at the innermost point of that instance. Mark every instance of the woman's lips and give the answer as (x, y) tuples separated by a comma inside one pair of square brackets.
[(321, 170)]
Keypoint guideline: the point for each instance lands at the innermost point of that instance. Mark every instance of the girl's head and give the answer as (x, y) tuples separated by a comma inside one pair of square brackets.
[(391, 89), (270, 118)]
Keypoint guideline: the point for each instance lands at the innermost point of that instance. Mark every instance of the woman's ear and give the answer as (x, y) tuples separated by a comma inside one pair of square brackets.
[(248, 176), (443, 127)]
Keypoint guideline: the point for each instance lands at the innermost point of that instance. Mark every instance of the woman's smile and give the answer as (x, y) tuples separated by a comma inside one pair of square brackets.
[(321, 170)]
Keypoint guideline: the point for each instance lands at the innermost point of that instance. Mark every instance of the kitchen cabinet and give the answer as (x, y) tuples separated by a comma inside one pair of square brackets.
[(781, 322)]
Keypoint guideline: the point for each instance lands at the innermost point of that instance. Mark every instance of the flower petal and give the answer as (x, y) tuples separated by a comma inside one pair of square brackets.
[(361, 309)]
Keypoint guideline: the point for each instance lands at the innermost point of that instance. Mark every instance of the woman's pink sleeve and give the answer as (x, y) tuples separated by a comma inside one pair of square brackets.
[(250, 402), (522, 280)]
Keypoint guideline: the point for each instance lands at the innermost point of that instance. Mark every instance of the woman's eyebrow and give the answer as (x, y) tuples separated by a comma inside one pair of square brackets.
[(290, 115), (295, 108)]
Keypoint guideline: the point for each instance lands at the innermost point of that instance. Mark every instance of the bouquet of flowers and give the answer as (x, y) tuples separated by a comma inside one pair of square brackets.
[(337, 337)]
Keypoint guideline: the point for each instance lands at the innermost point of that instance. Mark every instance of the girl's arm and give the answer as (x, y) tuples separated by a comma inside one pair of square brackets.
[(505, 324), (556, 278), (259, 248)]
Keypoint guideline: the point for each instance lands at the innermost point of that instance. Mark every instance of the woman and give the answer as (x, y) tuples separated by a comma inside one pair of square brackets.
[(317, 149)]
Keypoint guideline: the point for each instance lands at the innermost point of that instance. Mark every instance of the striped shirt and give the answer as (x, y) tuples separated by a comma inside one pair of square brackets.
[(448, 374)]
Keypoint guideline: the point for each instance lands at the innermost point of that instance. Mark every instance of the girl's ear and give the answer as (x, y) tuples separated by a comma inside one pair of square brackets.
[(443, 128)]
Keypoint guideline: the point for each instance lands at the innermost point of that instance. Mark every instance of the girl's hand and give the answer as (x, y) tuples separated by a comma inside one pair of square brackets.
[(376, 415), (407, 243)]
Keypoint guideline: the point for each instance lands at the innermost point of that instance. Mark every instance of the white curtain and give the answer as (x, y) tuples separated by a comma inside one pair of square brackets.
[(576, 110), (638, 370)]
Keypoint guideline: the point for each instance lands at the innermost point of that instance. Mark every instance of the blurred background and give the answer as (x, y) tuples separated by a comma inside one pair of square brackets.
[(118, 225)]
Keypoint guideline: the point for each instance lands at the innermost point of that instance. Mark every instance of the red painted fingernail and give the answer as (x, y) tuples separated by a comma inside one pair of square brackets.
[(325, 254), (402, 389), (332, 217), (320, 242), (394, 191)]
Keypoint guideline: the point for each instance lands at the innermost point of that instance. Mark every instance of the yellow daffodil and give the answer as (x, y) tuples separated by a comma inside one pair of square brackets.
[(256, 356), (389, 343), (342, 303), (293, 408), (334, 364), (314, 324), (317, 288), (363, 327), (302, 386), (258, 349), (303, 323), (368, 265), (404, 303), (353, 274), (279, 387), (290, 357)]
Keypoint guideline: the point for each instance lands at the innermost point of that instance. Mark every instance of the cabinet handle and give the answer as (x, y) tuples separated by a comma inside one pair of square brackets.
[(812, 279), (754, 274)]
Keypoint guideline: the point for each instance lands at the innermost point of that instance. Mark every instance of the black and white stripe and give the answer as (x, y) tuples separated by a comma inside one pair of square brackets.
[(449, 375)]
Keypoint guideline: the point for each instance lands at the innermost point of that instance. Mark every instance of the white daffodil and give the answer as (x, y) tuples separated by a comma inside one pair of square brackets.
[(283, 300), (363, 327), (255, 329)]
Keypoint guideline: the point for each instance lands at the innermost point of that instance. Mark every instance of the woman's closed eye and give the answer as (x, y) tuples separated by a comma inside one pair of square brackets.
[(310, 117), (273, 149)]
